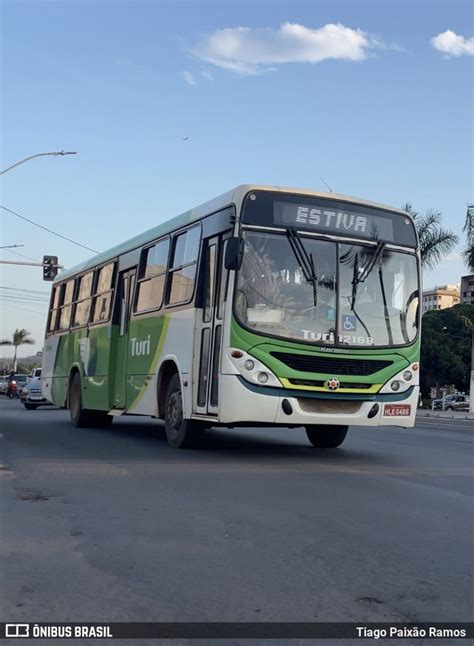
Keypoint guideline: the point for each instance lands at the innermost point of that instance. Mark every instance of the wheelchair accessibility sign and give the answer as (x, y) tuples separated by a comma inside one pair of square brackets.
[(349, 323)]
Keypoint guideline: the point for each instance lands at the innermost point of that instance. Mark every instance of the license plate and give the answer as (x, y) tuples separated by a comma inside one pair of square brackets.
[(397, 410), (36, 397)]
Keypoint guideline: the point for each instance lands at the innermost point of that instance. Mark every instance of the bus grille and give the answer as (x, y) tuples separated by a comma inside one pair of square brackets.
[(321, 384), (333, 366), (328, 406)]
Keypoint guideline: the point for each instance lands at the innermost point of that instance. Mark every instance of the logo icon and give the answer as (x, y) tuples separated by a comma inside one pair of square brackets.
[(333, 383), (349, 322), (17, 630)]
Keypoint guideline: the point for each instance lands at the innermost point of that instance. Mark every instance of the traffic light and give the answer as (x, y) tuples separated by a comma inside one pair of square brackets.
[(50, 267)]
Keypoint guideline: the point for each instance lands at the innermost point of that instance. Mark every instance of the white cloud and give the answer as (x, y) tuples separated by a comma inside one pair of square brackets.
[(253, 51), (452, 44), (189, 78)]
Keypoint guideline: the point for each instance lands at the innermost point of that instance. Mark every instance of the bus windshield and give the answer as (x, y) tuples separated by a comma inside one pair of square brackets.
[(349, 294)]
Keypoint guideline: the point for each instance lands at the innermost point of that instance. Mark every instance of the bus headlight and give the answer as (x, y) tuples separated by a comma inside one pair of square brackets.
[(252, 370), (402, 381)]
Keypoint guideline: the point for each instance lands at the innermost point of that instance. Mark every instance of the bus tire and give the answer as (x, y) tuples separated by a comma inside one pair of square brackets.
[(30, 406), (326, 437), (80, 417), (180, 433)]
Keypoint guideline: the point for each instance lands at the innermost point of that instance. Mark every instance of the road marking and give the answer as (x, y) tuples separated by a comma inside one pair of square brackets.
[(441, 425), (157, 468), (443, 419)]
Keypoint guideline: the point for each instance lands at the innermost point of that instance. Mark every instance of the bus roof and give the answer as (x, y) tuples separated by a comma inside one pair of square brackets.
[(234, 196)]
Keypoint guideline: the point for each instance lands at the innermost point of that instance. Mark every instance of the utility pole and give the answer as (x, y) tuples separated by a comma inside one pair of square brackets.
[(22, 161)]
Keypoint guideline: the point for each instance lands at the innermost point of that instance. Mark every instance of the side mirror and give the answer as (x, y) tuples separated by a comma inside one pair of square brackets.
[(233, 253)]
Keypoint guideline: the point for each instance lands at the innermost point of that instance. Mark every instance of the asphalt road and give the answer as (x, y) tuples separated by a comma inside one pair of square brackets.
[(256, 526)]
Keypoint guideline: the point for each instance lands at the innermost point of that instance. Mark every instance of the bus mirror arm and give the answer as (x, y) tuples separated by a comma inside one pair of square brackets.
[(233, 253)]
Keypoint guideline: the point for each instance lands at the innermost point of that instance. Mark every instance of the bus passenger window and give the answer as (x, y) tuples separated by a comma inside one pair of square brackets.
[(83, 302), (183, 267), (151, 281), (54, 309), (103, 294), (65, 309)]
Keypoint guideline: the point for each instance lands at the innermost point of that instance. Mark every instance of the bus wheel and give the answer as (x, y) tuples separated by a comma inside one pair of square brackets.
[(80, 417), (180, 433), (326, 437)]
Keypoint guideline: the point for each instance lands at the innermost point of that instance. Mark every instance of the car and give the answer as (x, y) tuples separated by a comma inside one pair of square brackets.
[(440, 404), (36, 372), (459, 402), (3, 385), (21, 381), (31, 395)]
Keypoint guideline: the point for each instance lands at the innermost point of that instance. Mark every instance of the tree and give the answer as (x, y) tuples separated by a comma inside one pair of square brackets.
[(20, 337), (468, 252), (446, 347), (435, 241)]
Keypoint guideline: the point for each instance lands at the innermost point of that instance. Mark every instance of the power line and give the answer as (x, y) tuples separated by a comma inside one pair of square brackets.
[(22, 255), (29, 291), (25, 297), (19, 301), (40, 226), (23, 309)]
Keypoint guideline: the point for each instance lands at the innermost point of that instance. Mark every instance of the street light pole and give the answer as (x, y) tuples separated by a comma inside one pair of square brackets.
[(22, 161)]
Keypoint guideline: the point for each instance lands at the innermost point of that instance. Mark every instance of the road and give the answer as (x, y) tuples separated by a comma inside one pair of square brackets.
[(257, 525)]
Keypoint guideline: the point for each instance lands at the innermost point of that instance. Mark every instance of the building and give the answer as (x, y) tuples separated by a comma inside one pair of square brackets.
[(467, 289), (440, 297)]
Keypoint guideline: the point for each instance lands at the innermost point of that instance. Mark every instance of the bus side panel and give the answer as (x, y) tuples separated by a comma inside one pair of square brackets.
[(145, 345), (171, 336), (54, 369), (95, 352), (65, 359)]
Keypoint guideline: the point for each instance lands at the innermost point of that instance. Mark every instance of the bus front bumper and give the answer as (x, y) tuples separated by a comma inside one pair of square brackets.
[(242, 403)]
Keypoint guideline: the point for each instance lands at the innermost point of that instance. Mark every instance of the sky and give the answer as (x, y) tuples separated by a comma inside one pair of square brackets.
[(169, 104)]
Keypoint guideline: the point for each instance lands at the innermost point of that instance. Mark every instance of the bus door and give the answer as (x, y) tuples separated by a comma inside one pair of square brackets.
[(126, 284), (208, 339)]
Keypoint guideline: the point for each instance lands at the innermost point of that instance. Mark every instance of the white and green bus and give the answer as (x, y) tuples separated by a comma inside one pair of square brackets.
[(264, 306)]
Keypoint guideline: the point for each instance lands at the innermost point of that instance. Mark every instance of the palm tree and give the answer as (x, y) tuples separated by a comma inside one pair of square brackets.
[(468, 252), (435, 241), (20, 337)]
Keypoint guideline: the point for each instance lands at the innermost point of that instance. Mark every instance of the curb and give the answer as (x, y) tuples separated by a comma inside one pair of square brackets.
[(445, 415)]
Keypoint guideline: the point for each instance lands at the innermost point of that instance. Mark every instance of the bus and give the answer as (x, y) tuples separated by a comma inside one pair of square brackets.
[(266, 306)]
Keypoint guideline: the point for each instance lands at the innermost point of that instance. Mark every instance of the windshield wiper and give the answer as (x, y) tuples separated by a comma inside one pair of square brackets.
[(305, 261), (362, 277)]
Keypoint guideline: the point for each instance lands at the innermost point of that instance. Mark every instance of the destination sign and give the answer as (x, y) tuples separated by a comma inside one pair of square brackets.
[(328, 216), (363, 225)]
